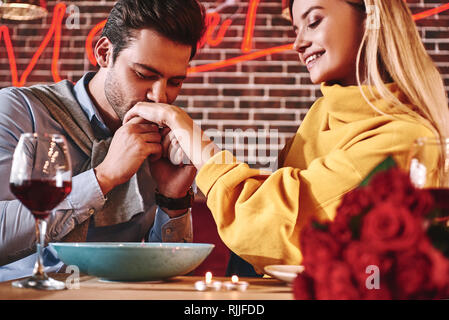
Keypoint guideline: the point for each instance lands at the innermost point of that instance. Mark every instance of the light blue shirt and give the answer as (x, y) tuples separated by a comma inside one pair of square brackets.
[(19, 113)]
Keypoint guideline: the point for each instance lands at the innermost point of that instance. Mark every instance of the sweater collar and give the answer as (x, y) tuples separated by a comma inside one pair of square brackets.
[(347, 104)]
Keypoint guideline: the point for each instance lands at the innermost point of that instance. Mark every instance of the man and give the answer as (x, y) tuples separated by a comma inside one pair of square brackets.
[(143, 55)]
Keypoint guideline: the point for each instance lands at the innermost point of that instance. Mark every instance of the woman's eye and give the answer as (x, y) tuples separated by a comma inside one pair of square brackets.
[(314, 24)]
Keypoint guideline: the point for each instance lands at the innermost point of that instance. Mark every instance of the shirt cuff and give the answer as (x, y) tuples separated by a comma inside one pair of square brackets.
[(166, 229), (84, 200)]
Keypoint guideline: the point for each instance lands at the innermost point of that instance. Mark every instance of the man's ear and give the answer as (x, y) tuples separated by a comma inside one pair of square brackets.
[(103, 52)]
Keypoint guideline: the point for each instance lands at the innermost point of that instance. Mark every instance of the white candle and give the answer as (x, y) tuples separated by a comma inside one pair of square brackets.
[(208, 284), (235, 284)]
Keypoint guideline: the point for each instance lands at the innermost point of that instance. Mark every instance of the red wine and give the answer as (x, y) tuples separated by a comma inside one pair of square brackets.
[(441, 198), (40, 196)]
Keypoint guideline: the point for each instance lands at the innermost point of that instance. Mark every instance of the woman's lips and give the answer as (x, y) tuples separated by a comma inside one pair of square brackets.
[(313, 59)]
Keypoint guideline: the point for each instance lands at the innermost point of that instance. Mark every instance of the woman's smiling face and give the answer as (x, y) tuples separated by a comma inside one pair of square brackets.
[(328, 37)]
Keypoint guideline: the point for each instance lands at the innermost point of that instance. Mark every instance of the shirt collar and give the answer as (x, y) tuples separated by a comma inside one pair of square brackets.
[(87, 105)]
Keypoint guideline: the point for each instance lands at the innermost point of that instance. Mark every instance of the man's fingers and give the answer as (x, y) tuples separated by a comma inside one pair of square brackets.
[(165, 131), (151, 137), (154, 151)]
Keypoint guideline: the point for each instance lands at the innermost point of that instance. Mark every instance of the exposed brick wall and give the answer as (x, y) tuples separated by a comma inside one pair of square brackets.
[(272, 92)]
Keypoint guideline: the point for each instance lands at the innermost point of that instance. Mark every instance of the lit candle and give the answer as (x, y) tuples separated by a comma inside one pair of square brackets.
[(235, 284), (208, 284)]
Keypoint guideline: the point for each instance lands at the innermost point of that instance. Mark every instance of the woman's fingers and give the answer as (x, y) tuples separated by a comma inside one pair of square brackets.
[(153, 112), (172, 149)]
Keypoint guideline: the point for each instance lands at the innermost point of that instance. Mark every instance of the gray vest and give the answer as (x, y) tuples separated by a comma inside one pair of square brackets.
[(125, 200)]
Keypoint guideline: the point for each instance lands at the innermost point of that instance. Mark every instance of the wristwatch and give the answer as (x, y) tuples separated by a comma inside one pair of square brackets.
[(175, 203)]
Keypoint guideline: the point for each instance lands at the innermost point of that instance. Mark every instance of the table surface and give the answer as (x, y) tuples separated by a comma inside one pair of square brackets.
[(178, 288)]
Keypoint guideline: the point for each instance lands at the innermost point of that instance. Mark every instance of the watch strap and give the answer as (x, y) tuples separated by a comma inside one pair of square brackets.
[(175, 203)]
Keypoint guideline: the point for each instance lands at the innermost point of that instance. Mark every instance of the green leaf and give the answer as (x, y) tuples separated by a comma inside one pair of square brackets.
[(354, 225), (387, 164), (319, 226)]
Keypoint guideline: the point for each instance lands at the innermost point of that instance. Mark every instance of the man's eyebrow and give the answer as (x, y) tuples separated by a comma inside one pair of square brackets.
[(153, 70), (305, 14), (148, 68)]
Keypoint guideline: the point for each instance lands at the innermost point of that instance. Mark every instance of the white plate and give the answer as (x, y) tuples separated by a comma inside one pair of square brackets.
[(285, 273)]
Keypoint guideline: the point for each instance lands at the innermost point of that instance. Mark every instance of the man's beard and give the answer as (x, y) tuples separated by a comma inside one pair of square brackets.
[(115, 97)]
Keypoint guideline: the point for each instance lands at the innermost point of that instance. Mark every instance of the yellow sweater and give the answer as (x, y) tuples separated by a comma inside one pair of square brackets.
[(260, 215)]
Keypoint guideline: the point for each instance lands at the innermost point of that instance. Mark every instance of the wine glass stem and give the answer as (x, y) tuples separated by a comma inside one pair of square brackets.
[(41, 229)]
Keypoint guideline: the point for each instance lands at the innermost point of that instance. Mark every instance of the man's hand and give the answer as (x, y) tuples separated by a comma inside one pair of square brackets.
[(173, 172), (131, 145), (194, 143)]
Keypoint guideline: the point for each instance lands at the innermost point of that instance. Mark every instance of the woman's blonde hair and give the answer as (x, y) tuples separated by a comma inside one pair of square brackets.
[(392, 50)]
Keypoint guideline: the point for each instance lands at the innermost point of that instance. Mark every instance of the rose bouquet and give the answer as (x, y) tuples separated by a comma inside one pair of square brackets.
[(382, 244)]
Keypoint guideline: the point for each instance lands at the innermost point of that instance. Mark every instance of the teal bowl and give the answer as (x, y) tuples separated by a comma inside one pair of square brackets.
[(133, 261)]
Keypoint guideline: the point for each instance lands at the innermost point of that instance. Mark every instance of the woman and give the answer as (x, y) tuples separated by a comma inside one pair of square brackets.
[(381, 91)]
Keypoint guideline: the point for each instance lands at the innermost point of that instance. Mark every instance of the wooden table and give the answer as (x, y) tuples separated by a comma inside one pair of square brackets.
[(178, 288)]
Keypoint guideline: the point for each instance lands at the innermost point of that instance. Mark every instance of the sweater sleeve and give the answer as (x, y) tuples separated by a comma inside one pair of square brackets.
[(259, 215)]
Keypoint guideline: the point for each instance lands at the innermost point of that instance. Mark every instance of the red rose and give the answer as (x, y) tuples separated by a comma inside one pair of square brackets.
[(336, 282), (388, 227), (317, 247), (360, 256), (391, 184), (412, 275), (439, 275), (422, 273), (383, 293), (303, 287), (395, 186), (422, 203), (353, 204)]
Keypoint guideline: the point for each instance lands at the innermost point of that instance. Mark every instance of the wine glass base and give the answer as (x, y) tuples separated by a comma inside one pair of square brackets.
[(39, 283)]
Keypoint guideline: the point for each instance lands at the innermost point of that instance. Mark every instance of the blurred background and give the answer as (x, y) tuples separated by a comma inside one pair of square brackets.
[(246, 86)]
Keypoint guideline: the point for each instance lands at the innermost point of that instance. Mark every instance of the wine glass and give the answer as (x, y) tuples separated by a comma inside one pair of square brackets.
[(429, 169), (41, 177)]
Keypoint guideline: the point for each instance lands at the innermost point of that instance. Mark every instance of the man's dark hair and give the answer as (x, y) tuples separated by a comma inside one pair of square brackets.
[(181, 21)]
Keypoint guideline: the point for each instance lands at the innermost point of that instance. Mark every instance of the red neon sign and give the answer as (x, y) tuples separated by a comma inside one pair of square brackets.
[(55, 29), (213, 22), (90, 39), (249, 26)]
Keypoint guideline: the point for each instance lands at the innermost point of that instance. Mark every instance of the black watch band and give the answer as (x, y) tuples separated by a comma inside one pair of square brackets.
[(175, 203)]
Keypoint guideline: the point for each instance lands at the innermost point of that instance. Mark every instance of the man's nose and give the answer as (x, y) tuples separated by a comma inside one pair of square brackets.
[(158, 92)]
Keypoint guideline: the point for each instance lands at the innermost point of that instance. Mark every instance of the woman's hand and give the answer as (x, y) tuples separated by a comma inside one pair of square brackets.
[(164, 115), (183, 130)]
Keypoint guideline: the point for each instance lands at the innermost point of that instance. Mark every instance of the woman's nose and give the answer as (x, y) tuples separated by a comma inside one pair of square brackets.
[(301, 43)]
